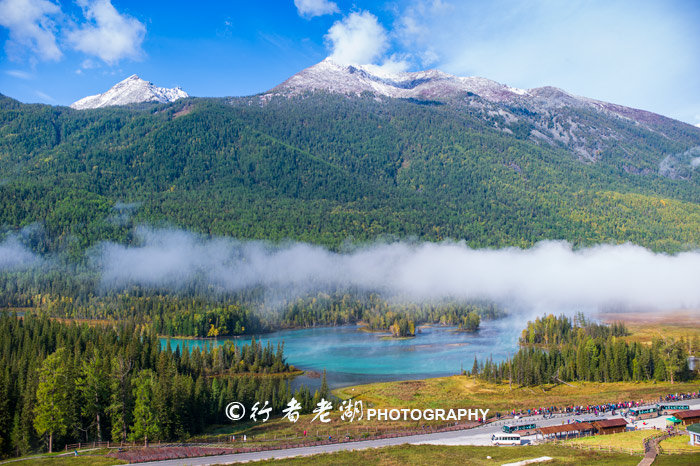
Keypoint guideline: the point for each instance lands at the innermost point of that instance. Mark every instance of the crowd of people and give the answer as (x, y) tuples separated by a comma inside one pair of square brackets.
[(678, 397), (595, 410)]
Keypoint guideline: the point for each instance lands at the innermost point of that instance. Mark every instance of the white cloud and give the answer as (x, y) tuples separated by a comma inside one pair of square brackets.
[(108, 34), (550, 275), (32, 26), (640, 54), (428, 57), (40, 28), (44, 96), (311, 8), (88, 64), (357, 39), (19, 74), (389, 66)]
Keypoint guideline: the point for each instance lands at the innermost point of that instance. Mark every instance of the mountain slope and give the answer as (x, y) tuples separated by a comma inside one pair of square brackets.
[(589, 128), (325, 167), (132, 90)]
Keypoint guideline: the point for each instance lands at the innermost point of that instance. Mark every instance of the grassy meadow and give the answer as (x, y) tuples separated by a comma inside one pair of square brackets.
[(462, 391), (460, 455)]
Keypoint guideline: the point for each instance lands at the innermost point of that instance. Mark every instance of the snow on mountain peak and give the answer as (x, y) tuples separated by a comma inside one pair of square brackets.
[(131, 90), (331, 76)]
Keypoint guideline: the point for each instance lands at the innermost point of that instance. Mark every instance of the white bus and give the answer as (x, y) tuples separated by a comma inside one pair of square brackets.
[(505, 439)]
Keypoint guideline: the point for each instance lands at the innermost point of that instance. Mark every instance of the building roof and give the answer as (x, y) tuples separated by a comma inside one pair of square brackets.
[(694, 428), (576, 427), (691, 413), (608, 423)]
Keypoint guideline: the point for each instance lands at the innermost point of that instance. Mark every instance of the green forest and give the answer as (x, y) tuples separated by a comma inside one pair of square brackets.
[(320, 168), (558, 349), (326, 169), (198, 313), (66, 383)]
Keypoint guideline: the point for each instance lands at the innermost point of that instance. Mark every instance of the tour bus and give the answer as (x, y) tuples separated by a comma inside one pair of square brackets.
[(665, 408), (508, 428), (643, 412), (505, 439)]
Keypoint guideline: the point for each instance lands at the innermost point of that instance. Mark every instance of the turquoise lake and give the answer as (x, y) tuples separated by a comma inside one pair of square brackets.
[(353, 357)]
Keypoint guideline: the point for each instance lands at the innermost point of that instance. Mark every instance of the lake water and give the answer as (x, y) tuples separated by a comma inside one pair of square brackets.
[(353, 357)]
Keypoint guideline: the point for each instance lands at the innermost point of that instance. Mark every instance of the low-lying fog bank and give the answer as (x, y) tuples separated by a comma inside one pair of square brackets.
[(551, 276)]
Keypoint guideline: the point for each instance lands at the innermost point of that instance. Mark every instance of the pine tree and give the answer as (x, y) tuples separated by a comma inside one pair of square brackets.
[(121, 398), (146, 422), (22, 427), (93, 386), (6, 416), (52, 412)]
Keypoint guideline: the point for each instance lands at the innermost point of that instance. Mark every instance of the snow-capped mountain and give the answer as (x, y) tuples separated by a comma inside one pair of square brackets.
[(331, 76), (356, 79), (132, 90), (546, 114)]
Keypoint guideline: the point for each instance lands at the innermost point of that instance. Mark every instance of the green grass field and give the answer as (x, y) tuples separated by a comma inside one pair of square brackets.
[(625, 441), (444, 455), (678, 444), (689, 459)]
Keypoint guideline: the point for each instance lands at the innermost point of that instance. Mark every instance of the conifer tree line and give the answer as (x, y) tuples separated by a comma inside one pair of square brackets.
[(376, 313), (556, 349), (64, 383), (201, 312)]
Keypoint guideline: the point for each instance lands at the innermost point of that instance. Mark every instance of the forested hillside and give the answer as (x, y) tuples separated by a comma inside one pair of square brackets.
[(326, 168), (66, 383), (319, 168)]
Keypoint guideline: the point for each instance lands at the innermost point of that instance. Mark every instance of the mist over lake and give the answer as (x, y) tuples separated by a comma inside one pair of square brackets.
[(351, 356)]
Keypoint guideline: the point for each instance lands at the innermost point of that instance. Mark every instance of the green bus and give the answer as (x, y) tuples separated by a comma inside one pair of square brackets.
[(643, 412), (508, 428), (671, 407)]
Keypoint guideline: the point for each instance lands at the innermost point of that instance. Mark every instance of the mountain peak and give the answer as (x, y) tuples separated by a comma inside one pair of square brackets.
[(331, 76), (544, 114), (132, 90)]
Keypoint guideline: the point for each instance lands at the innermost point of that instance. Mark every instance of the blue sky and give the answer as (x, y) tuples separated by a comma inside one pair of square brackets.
[(642, 53)]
